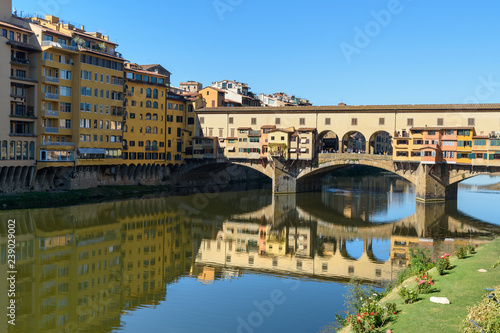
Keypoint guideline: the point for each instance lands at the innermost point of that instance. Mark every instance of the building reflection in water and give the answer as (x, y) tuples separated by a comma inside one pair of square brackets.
[(81, 268)]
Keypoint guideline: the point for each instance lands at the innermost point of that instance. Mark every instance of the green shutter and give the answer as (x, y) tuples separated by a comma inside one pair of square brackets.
[(491, 157), (472, 156)]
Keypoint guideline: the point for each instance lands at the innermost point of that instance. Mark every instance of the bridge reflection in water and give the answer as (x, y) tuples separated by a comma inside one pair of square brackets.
[(81, 268)]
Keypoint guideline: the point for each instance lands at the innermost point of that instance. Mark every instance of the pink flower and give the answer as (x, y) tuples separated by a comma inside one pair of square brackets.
[(421, 282)]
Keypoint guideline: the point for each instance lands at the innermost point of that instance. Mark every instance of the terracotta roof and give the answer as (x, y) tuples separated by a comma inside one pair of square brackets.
[(13, 26), (210, 87), (24, 45), (231, 101), (232, 138), (54, 32), (148, 67), (364, 108), (306, 129), (286, 130), (480, 137), (244, 128), (145, 72), (440, 128), (269, 126)]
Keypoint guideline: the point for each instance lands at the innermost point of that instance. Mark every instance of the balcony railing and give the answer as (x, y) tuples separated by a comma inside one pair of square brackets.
[(130, 93), (52, 79), (51, 113), (50, 143), (20, 61), (51, 130), (59, 45), (51, 96)]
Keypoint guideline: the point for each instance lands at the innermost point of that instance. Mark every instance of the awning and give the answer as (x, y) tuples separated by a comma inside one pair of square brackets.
[(91, 151), (293, 150), (303, 150), (231, 149)]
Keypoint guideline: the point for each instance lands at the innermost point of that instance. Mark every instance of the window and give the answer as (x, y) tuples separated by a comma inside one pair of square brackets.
[(354, 121), (327, 121), (409, 122), (254, 121), (471, 121), (231, 120), (302, 121), (440, 121), (381, 121), (277, 121)]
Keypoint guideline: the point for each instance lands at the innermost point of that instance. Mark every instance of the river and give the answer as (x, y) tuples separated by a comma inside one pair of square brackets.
[(226, 262)]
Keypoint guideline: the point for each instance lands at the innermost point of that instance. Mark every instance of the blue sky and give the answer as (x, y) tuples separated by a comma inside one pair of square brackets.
[(356, 52)]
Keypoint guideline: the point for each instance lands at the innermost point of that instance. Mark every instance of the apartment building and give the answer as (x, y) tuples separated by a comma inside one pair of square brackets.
[(144, 130), (18, 93)]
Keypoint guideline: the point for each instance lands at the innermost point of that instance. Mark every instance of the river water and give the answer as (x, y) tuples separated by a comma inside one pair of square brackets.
[(226, 262)]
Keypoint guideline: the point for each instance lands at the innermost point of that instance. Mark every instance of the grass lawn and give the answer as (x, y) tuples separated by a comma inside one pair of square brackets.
[(463, 286)]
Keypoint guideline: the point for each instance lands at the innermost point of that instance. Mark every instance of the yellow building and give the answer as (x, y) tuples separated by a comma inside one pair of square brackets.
[(144, 132), (81, 96), (178, 137), (279, 142), (464, 145)]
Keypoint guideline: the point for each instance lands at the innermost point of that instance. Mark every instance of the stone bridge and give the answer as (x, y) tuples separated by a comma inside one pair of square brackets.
[(433, 182)]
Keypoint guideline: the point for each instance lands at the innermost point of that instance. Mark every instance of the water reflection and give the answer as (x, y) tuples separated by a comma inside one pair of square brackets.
[(82, 268)]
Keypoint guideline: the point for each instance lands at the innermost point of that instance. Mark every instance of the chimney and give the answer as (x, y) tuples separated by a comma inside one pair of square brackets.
[(82, 27)]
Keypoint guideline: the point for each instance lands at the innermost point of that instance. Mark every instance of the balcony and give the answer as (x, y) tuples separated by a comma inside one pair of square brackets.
[(59, 45), (50, 143), (51, 130), (51, 79), (51, 113), (130, 93), (19, 61), (51, 96), (22, 111)]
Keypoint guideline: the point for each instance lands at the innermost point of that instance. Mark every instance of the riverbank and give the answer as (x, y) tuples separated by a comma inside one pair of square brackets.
[(463, 286), (74, 197)]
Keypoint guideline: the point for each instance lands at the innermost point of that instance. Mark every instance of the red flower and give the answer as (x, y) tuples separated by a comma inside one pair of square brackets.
[(371, 314), (393, 312)]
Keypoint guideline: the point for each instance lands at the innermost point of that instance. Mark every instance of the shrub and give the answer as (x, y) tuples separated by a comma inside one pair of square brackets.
[(408, 295), (461, 253), (425, 283), (420, 261), (371, 316), (485, 314), (471, 249), (441, 266)]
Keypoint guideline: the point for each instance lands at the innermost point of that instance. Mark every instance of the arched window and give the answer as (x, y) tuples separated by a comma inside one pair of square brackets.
[(25, 150), (155, 94), (155, 116), (12, 150), (4, 150), (148, 104), (155, 105), (148, 144), (155, 144), (148, 93), (19, 150), (32, 150), (155, 130), (148, 129), (148, 116)]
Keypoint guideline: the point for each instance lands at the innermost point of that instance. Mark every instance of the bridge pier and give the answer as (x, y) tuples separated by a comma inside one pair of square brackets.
[(432, 183)]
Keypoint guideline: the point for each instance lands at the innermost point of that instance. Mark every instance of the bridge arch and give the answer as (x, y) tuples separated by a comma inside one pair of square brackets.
[(342, 160), (328, 141), (353, 142), (380, 143)]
